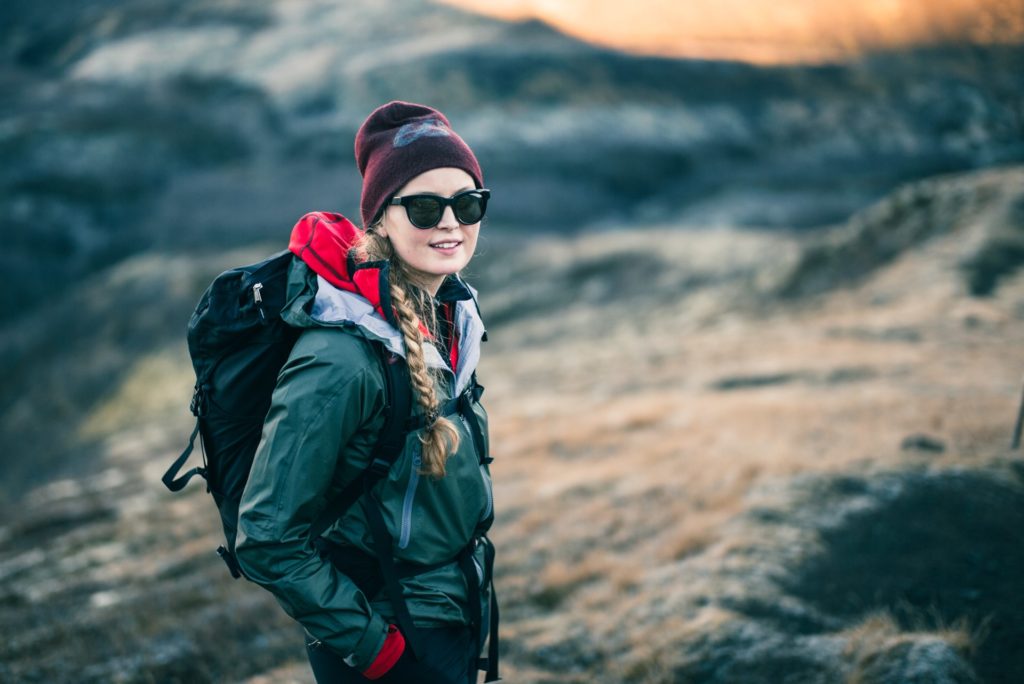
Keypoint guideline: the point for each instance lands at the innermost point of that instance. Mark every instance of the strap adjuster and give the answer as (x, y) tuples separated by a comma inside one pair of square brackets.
[(379, 467), (229, 558), (198, 404)]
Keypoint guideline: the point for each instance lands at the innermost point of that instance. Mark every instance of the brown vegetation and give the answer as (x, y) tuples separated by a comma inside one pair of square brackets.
[(696, 480)]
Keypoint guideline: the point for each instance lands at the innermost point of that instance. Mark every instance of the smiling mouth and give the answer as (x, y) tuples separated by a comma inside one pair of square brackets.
[(450, 244)]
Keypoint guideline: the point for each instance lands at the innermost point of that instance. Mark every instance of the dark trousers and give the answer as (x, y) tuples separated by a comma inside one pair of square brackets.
[(448, 649)]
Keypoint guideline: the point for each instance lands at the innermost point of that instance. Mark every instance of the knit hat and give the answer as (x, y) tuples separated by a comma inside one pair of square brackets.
[(401, 140)]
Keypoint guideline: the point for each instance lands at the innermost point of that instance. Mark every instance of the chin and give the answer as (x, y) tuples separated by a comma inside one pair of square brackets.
[(446, 266)]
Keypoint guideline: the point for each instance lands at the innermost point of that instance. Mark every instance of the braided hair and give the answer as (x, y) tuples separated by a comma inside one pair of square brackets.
[(440, 439)]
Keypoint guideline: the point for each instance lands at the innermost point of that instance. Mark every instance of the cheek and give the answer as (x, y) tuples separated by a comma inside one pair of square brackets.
[(407, 243), (471, 238)]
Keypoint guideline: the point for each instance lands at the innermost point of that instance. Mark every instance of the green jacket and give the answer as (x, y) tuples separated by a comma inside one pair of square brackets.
[(325, 418)]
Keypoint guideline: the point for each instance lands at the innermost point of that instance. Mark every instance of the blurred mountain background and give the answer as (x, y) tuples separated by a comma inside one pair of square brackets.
[(756, 322)]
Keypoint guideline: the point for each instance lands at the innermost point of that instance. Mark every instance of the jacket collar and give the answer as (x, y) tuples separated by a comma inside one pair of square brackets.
[(335, 306)]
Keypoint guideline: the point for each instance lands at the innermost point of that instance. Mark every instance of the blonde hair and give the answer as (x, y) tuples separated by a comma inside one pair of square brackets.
[(412, 304)]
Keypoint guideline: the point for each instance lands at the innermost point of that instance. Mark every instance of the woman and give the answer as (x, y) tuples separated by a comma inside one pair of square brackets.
[(397, 589)]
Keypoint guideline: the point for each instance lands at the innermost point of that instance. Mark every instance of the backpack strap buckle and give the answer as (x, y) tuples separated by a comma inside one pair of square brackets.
[(379, 468)]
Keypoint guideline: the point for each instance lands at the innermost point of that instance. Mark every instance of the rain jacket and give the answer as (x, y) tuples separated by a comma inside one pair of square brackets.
[(325, 418)]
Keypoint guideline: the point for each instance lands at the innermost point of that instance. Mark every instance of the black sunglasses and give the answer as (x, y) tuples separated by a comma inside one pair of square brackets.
[(425, 211)]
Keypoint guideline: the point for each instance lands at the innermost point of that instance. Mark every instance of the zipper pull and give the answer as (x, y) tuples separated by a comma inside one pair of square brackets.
[(258, 298)]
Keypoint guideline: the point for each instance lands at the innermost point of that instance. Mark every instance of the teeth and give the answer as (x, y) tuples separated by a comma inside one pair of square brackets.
[(445, 245)]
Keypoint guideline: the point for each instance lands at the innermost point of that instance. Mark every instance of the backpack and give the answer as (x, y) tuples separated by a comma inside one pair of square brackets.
[(238, 344)]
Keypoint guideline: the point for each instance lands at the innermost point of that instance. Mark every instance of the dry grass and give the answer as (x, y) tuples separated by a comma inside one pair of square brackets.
[(880, 634), (618, 460)]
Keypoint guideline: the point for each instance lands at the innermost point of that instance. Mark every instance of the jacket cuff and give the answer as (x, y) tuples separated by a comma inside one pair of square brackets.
[(369, 645), (389, 654)]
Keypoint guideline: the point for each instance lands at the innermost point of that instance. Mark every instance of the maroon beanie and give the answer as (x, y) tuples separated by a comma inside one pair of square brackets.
[(398, 142)]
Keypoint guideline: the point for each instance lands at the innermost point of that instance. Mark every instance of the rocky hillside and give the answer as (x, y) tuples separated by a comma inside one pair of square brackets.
[(722, 456), (190, 125)]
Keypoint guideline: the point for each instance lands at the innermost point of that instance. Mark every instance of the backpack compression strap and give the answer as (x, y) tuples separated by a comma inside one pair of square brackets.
[(178, 484), (477, 614)]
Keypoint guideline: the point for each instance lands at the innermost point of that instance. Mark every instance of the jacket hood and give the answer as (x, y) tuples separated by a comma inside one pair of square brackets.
[(325, 240)]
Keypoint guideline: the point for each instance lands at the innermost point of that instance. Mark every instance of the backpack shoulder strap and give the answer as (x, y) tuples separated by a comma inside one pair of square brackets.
[(398, 394), (398, 390)]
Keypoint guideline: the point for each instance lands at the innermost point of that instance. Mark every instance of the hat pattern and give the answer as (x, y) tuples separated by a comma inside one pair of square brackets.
[(411, 132)]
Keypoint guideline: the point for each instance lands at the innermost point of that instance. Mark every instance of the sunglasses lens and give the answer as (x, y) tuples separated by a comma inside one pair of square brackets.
[(424, 212), (469, 208)]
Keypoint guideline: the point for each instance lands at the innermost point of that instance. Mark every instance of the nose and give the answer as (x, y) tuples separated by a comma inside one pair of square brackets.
[(448, 221)]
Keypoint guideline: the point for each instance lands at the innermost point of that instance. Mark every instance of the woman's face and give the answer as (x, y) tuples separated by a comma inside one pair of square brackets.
[(432, 253)]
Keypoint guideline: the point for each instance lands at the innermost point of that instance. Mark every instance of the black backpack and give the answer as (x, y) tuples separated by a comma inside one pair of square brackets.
[(238, 344)]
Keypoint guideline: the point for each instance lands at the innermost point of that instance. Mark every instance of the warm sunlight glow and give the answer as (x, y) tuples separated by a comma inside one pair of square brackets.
[(767, 31)]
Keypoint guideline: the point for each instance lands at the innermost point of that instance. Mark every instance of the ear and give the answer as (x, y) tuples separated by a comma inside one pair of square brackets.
[(379, 228)]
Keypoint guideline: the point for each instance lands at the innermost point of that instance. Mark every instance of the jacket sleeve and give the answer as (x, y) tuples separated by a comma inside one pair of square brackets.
[(317, 406)]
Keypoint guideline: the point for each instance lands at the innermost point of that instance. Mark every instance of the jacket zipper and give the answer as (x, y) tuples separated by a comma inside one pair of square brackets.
[(410, 495)]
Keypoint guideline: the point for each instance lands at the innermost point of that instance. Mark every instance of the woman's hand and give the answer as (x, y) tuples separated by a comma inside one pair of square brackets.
[(395, 664)]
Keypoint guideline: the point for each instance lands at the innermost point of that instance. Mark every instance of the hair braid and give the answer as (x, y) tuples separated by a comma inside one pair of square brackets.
[(440, 439)]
